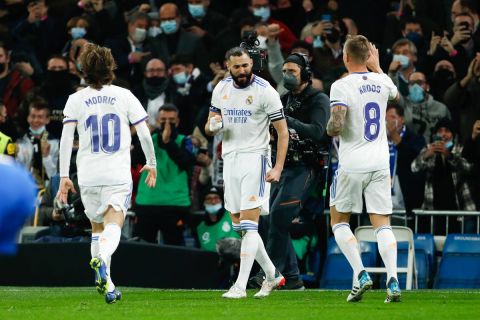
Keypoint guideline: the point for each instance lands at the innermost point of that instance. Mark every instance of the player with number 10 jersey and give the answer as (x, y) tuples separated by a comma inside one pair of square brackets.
[(363, 142), (103, 124)]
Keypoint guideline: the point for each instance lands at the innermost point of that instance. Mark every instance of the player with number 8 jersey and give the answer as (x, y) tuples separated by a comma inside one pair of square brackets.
[(358, 106), (363, 142)]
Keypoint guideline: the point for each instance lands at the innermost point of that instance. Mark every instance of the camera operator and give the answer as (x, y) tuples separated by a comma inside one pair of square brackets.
[(306, 111)]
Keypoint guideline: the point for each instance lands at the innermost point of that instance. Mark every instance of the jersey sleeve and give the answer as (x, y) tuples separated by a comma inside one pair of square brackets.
[(338, 95), (392, 88), (70, 113), (136, 112), (273, 104), (215, 103)]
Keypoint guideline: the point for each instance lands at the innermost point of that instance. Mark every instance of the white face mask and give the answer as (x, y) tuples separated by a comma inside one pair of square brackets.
[(139, 35), (154, 31)]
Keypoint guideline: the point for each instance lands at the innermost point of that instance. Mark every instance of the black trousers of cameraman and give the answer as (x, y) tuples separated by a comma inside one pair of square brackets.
[(286, 199)]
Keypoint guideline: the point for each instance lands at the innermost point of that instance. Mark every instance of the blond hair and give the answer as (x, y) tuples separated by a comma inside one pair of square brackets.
[(356, 47)]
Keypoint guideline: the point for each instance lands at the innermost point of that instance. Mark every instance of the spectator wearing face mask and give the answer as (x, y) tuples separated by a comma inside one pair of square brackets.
[(152, 91), (129, 50), (463, 99), (216, 223), (446, 173), (403, 64), (77, 28), (443, 77), (175, 39), (422, 112), (262, 10), (58, 84), (188, 91), (204, 22)]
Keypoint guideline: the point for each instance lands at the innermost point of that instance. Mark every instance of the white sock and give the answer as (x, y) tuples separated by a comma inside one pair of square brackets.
[(349, 246), (110, 285), (248, 251), (109, 240), (264, 260), (387, 246), (94, 245)]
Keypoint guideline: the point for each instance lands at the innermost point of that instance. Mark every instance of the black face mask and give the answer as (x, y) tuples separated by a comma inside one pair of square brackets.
[(3, 66), (444, 76), (57, 78), (333, 36), (155, 81)]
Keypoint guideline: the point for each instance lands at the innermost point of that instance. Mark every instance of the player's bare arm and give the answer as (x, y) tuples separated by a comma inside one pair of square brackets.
[(145, 138), (282, 145), (337, 120), (66, 145), (214, 123)]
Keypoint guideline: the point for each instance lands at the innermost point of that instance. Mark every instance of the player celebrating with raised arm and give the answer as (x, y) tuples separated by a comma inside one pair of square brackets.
[(243, 106), (102, 114), (358, 105)]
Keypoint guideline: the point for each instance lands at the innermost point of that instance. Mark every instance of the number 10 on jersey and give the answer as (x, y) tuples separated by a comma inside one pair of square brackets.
[(107, 143)]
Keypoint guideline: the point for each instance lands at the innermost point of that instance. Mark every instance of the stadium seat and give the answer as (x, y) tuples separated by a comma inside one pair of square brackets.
[(460, 264), (405, 257), (337, 273)]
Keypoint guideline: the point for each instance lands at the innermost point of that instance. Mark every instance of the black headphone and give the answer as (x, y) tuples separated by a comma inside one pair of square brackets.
[(306, 72)]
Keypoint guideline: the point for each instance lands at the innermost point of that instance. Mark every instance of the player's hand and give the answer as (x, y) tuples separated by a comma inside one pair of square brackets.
[(273, 175), (151, 179), (215, 123), (66, 185), (373, 61)]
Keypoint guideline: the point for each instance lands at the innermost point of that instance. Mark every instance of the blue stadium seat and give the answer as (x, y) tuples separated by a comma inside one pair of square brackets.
[(460, 264), (337, 273)]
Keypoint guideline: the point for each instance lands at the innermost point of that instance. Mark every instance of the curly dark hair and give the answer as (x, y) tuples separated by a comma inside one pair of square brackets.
[(97, 65)]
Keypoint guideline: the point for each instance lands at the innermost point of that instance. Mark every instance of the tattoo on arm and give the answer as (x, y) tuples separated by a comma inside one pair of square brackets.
[(337, 120)]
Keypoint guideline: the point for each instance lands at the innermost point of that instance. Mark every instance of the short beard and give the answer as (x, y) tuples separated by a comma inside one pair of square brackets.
[(242, 83)]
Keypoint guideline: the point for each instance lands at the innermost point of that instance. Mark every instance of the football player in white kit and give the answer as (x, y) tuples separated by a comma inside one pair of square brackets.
[(243, 106), (101, 114), (358, 105)]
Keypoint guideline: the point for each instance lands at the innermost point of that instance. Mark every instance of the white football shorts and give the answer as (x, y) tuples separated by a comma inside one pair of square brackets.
[(97, 199), (347, 189), (244, 181)]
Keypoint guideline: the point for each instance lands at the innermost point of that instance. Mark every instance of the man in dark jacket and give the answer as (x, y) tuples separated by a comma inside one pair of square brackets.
[(306, 111)]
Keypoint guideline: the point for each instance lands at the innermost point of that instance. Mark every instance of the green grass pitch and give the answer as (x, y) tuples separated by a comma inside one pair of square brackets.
[(139, 303)]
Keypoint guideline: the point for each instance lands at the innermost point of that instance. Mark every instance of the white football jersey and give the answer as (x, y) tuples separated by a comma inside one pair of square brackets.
[(246, 114), (103, 120), (363, 142)]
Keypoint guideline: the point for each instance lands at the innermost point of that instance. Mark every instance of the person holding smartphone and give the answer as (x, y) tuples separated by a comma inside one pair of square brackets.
[(446, 171)]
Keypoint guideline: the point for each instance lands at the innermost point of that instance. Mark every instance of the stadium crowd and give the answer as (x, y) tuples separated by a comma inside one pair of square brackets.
[(171, 55)]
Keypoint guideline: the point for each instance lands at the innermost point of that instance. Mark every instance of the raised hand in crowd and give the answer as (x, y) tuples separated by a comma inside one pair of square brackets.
[(436, 147), (446, 44), (144, 7), (434, 43), (35, 11), (25, 68), (308, 5), (460, 34), (273, 30), (218, 72), (320, 28), (91, 6), (472, 71), (136, 57)]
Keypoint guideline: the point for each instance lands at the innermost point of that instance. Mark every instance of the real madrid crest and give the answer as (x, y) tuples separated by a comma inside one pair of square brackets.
[(249, 100)]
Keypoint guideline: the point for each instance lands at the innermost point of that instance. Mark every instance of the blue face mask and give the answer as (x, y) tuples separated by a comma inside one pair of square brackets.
[(196, 10), (180, 78), (415, 37), (317, 42), (169, 26), (404, 61), (449, 144), (263, 13), (154, 31), (78, 33), (213, 208), (416, 93)]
